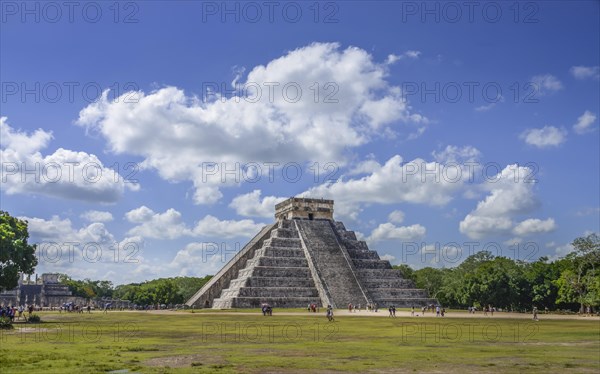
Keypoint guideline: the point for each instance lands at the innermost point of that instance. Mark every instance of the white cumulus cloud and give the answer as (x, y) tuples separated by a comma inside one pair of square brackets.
[(546, 84), (251, 204), (584, 123), (417, 181), (510, 194), (177, 134), (586, 72), (456, 154), (388, 231), (534, 226), (97, 216), (167, 225), (397, 216), (392, 58), (214, 227), (65, 173), (547, 136), (170, 225)]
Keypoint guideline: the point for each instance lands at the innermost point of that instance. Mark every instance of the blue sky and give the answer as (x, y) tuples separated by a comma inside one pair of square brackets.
[(375, 94)]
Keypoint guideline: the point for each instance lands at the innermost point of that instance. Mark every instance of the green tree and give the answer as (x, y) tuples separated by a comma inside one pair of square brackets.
[(188, 286), (16, 255), (167, 292), (541, 276), (431, 280), (592, 285), (407, 271), (578, 282)]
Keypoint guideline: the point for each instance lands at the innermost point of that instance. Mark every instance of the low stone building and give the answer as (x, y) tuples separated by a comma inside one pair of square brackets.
[(45, 291), (307, 257)]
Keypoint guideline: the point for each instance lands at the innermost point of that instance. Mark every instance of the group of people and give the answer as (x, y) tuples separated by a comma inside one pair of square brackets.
[(486, 309), (439, 311), (70, 307), (354, 308), (370, 307), (267, 310), (313, 308), (489, 309), (392, 310), (12, 312)]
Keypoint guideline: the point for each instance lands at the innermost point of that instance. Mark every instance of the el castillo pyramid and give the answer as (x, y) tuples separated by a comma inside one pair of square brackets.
[(306, 257)]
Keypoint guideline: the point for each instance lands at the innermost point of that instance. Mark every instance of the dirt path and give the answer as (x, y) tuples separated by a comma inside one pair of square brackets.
[(384, 313)]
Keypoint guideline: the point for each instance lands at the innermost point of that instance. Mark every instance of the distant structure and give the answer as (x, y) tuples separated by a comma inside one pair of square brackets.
[(306, 257), (300, 208), (46, 291)]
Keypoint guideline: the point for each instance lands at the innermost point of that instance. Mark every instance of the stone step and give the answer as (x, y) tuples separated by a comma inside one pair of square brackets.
[(257, 302), (376, 283), (371, 264), (379, 273), (392, 293), (283, 242), (343, 233), (339, 226), (278, 292), (219, 303), (279, 282), (237, 283), (284, 233), (347, 235), (270, 271), (362, 254), (286, 224), (282, 261), (356, 244), (282, 252)]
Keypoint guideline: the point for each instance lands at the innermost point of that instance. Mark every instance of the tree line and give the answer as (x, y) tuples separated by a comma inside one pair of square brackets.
[(569, 283), (157, 291)]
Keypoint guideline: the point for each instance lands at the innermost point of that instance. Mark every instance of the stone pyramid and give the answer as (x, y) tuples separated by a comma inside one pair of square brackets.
[(307, 257)]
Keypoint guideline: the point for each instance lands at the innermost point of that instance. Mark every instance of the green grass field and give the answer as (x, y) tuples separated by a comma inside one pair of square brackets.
[(146, 342)]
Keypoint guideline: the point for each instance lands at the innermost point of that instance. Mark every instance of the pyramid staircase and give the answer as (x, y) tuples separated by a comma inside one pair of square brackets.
[(298, 262), (278, 274), (385, 285)]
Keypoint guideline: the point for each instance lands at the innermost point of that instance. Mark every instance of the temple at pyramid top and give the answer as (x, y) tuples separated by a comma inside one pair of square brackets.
[(306, 257), (304, 208)]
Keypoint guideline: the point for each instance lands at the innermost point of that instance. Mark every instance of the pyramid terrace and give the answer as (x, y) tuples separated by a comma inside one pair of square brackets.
[(307, 257)]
